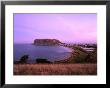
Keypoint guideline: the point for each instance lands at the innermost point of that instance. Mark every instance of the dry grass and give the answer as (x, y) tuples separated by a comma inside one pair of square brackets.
[(55, 69)]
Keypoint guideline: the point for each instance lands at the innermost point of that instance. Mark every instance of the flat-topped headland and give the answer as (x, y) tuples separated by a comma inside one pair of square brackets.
[(47, 42)]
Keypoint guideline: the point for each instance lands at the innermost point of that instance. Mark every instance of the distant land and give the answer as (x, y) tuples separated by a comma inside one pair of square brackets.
[(54, 42), (47, 42)]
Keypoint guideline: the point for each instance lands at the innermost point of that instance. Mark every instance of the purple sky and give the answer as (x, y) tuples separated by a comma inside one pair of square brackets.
[(72, 28)]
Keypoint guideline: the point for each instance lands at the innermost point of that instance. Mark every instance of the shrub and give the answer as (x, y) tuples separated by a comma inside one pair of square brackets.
[(42, 60), (80, 57), (24, 59), (93, 57)]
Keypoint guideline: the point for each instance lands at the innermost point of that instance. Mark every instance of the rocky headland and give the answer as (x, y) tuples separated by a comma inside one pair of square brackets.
[(46, 42)]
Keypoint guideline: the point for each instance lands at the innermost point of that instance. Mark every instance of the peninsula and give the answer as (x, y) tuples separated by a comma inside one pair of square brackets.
[(46, 42)]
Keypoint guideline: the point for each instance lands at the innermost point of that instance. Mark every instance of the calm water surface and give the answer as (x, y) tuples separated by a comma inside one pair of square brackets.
[(52, 53)]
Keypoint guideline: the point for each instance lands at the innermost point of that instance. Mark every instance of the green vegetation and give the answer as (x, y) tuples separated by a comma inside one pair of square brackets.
[(80, 56), (93, 57), (42, 60), (24, 59)]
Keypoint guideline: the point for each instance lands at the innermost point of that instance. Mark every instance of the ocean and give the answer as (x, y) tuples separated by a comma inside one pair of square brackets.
[(51, 53)]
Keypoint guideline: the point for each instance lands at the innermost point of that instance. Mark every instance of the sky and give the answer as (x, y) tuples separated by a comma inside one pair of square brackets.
[(66, 27)]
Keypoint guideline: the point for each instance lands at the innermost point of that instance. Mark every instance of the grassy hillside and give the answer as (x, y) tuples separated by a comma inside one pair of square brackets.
[(55, 69)]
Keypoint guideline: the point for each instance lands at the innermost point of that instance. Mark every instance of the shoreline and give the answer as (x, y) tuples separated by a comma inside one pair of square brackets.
[(75, 51)]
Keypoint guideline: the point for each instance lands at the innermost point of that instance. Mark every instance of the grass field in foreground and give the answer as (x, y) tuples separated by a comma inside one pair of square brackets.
[(55, 69)]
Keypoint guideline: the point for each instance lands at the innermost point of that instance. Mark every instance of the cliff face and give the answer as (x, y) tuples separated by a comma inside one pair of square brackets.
[(46, 42)]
